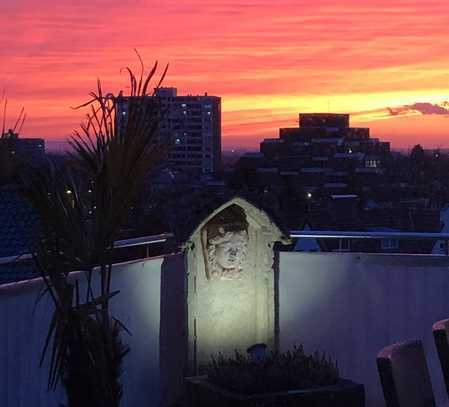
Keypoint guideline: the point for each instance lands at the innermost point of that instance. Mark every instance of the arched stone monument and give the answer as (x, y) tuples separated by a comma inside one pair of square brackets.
[(231, 281)]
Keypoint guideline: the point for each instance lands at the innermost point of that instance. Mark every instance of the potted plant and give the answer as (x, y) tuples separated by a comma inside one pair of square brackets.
[(82, 208), (291, 378)]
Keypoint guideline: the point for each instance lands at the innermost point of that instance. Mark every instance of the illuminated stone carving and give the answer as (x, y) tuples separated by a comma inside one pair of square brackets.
[(231, 281), (226, 254)]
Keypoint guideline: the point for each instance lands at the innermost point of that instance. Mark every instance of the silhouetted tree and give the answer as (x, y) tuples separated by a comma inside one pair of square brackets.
[(417, 154)]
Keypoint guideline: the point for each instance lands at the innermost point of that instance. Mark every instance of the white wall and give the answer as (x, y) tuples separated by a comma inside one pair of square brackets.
[(23, 326), (351, 305), (347, 304)]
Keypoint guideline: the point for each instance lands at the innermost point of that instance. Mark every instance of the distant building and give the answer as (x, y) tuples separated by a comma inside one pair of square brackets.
[(328, 120), (192, 126), (18, 233), (322, 136), (325, 152), (16, 151)]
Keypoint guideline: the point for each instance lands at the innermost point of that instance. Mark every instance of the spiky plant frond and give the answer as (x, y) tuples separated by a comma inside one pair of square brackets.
[(82, 208), (20, 120)]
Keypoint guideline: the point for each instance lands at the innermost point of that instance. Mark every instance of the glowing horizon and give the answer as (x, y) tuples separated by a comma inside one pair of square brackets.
[(385, 64)]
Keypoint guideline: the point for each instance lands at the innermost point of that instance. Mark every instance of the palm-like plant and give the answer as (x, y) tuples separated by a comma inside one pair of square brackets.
[(82, 208)]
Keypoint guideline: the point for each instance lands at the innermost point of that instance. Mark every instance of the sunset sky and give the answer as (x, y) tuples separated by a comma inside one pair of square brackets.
[(384, 61)]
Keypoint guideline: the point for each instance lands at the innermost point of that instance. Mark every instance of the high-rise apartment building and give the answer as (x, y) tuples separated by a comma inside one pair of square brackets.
[(192, 127)]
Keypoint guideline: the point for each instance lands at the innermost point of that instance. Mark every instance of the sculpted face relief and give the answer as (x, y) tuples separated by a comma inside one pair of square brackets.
[(227, 252)]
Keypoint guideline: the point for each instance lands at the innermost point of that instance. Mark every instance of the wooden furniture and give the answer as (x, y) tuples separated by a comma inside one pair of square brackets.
[(440, 334), (404, 375)]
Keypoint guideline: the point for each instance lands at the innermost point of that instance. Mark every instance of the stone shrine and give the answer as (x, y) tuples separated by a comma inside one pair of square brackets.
[(231, 281)]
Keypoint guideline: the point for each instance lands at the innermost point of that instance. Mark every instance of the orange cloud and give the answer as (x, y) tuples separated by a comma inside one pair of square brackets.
[(268, 60)]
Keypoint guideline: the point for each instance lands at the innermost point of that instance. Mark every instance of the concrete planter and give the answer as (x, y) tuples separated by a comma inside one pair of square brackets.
[(201, 393)]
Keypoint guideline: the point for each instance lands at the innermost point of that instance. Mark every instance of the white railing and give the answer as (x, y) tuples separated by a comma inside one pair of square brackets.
[(145, 241), (331, 234), (142, 241)]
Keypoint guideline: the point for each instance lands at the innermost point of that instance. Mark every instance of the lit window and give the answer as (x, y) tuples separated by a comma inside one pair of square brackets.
[(372, 163)]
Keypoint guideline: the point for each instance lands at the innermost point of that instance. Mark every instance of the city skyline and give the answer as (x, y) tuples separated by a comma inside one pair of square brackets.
[(384, 64)]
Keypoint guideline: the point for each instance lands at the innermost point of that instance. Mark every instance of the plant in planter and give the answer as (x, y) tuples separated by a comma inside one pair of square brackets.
[(291, 378), (82, 208)]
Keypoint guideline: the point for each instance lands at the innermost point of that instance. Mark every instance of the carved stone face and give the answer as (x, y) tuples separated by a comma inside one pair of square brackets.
[(227, 252)]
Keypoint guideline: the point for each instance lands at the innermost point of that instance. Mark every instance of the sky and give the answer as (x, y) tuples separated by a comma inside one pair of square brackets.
[(386, 61)]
